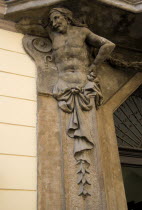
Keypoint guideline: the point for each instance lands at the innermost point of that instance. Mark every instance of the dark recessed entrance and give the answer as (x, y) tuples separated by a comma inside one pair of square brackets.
[(128, 124)]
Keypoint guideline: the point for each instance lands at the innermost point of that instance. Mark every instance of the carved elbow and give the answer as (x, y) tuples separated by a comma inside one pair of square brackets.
[(113, 46)]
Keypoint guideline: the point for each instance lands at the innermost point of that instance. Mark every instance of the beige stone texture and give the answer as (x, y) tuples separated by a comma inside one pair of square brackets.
[(17, 172), (73, 201), (11, 41), (17, 86), (18, 200), (57, 169), (19, 140), (18, 162), (15, 111), (112, 174), (111, 80), (50, 161), (57, 163), (16, 63)]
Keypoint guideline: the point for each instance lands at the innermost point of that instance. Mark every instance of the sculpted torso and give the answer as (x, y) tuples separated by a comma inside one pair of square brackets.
[(70, 51), (71, 55)]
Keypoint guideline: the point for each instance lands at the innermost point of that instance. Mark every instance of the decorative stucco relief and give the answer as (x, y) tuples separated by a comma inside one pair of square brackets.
[(64, 54)]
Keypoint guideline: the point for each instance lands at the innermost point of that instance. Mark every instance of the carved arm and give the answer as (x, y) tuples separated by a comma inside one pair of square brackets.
[(105, 46)]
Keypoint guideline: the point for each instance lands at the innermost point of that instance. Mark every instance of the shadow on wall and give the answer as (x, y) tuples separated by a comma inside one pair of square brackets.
[(135, 206)]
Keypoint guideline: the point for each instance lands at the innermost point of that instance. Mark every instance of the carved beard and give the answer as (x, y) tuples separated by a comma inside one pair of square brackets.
[(60, 28)]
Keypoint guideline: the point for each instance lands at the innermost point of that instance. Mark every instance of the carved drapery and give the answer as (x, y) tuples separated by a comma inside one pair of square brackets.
[(66, 72), (75, 101)]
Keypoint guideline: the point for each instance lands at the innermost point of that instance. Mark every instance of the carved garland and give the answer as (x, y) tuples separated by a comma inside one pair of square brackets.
[(135, 66)]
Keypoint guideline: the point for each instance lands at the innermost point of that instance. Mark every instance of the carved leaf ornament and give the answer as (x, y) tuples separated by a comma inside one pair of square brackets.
[(76, 101)]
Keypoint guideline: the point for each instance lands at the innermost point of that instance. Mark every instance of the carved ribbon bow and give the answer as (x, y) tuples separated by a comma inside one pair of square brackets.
[(77, 101)]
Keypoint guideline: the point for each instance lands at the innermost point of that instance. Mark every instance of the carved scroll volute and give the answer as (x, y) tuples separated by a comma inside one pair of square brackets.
[(40, 49)]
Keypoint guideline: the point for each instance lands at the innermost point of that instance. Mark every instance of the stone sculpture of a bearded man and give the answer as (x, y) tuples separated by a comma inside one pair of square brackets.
[(76, 88)]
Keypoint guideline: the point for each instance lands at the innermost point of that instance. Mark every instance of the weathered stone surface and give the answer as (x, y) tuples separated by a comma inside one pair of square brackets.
[(71, 189), (119, 26), (129, 5), (77, 89), (108, 144), (57, 188), (112, 80), (67, 70), (50, 167), (55, 147), (13, 6), (57, 184)]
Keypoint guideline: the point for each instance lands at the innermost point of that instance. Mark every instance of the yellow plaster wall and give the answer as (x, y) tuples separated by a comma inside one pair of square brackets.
[(18, 161)]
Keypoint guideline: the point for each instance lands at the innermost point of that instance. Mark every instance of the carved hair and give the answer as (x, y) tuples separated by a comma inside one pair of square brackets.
[(68, 15)]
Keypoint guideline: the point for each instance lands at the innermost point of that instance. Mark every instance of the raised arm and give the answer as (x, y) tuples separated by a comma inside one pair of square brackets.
[(105, 46)]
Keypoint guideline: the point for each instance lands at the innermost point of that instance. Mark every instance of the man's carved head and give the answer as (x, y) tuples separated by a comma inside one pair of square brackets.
[(60, 18)]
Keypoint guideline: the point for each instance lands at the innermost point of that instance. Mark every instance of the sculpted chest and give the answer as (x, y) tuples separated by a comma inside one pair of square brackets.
[(69, 40)]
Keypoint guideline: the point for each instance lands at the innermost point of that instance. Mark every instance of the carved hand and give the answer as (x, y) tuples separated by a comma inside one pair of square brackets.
[(93, 68), (92, 72)]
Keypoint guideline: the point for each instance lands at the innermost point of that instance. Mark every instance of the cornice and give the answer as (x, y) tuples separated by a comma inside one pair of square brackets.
[(134, 6), (21, 5), (3, 8), (11, 6)]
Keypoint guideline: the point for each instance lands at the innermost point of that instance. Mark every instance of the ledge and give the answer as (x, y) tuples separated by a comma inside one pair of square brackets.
[(134, 6), (21, 5), (13, 6), (8, 7)]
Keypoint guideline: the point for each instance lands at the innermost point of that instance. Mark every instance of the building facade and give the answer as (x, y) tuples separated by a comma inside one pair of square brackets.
[(39, 169)]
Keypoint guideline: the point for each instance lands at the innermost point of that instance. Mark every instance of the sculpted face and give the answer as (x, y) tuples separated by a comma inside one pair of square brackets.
[(58, 22)]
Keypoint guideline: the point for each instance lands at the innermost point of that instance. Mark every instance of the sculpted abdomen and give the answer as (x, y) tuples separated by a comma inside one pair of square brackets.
[(73, 79), (68, 54)]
